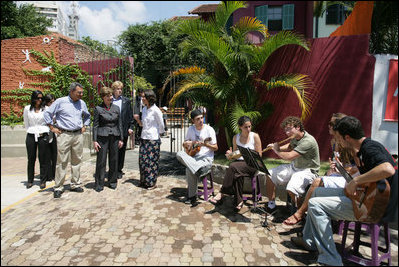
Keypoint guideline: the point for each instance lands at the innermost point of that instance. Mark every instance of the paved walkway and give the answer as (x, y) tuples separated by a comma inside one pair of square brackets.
[(133, 226)]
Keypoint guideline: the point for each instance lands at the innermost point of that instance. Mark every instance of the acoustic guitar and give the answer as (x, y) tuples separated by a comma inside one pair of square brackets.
[(196, 146), (371, 199)]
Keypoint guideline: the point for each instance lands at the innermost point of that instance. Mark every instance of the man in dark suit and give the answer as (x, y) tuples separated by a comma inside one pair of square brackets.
[(138, 108), (126, 111)]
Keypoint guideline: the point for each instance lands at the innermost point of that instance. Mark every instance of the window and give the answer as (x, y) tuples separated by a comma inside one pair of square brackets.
[(335, 14), (276, 18)]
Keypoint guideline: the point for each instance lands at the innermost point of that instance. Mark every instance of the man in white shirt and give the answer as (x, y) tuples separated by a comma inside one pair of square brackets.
[(199, 164)]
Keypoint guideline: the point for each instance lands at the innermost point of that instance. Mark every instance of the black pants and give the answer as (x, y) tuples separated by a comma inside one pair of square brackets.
[(108, 144), (233, 181), (31, 148), (121, 154)]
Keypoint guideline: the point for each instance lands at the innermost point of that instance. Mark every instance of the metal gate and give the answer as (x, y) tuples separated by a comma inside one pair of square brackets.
[(178, 116), (106, 68)]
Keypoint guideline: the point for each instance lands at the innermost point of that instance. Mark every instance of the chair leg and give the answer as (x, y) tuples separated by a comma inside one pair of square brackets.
[(205, 184)]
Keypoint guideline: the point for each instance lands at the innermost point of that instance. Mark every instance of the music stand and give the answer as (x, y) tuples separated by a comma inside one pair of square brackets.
[(252, 159)]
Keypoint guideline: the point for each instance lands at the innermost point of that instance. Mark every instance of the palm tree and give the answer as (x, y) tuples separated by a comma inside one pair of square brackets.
[(230, 89)]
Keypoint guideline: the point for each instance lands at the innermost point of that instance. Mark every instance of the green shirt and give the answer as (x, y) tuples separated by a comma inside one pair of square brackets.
[(308, 148)]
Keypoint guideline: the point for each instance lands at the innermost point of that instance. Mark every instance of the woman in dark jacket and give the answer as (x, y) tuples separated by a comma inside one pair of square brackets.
[(107, 136)]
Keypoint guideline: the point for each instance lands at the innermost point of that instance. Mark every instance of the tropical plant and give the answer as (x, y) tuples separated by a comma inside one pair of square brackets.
[(230, 89)]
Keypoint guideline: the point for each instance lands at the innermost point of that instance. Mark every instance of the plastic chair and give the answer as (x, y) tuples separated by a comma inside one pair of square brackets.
[(351, 252), (206, 191), (256, 194)]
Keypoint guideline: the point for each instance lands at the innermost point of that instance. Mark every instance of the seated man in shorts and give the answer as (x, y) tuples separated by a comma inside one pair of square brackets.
[(332, 179), (303, 152)]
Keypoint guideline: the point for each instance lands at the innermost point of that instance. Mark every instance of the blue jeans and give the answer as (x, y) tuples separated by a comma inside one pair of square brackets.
[(324, 205)]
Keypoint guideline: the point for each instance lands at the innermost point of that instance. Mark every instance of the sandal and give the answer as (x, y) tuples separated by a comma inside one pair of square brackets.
[(216, 201), (239, 206), (290, 221)]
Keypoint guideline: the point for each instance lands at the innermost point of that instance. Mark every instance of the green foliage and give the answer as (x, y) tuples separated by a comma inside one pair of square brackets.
[(56, 82), (141, 83), (230, 88), (98, 46), (12, 118), (22, 21), (384, 28), (155, 49)]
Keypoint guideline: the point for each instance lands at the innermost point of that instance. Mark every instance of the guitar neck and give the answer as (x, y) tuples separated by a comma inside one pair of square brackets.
[(343, 172)]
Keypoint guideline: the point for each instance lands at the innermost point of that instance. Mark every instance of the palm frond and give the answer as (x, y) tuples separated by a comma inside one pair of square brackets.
[(249, 24), (236, 112), (224, 11), (186, 87), (276, 41), (300, 84)]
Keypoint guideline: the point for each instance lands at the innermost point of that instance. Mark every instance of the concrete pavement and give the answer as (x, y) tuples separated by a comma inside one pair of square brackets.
[(134, 226)]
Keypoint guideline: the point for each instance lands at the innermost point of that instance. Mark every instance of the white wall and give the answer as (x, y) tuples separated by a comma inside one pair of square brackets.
[(385, 132)]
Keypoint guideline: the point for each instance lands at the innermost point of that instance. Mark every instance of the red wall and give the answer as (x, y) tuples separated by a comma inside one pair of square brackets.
[(342, 71), (303, 17)]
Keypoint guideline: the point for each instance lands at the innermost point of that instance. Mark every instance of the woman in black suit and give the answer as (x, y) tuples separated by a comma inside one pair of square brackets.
[(107, 136)]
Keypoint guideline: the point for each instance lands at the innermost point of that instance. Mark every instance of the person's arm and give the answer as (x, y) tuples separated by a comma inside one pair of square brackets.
[(382, 171), (258, 144), (96, 120), (285, 152), (26, 118), (86, 117)]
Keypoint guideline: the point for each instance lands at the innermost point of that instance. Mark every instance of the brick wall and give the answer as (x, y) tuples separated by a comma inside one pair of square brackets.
[(12, 60)]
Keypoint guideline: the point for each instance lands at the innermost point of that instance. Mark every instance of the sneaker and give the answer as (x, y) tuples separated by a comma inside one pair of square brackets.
[(299, 242), (190, 200), (77, 189)]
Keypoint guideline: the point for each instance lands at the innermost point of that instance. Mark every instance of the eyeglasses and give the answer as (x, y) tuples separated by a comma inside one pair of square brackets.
[(39, 98), (288, 129)]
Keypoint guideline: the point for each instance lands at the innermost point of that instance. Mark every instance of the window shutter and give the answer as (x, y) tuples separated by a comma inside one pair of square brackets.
[(288, 17), (261, 14)]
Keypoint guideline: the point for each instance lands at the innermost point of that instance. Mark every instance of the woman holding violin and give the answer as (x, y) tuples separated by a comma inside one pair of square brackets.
[(234, 178), (200, 144)]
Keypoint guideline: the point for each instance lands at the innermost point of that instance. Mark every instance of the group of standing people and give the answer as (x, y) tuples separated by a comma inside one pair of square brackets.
[(56, 131)]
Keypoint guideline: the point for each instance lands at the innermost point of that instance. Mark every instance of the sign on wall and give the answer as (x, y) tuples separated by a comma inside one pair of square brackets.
[(391, 110)]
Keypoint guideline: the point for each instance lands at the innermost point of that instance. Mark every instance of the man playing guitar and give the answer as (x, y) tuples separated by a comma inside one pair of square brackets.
[(200, 144), (376, 165)]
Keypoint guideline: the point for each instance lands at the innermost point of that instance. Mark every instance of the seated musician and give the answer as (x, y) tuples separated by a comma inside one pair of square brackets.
[(200, 142), (234, 178), (375, 165), (303, 152), (332, 179)]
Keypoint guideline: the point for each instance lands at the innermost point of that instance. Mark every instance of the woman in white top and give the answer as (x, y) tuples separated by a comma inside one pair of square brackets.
[(150, 142), (234, 178), (37, 138)]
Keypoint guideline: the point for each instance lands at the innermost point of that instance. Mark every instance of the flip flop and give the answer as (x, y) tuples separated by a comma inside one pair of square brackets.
[(289, 222)]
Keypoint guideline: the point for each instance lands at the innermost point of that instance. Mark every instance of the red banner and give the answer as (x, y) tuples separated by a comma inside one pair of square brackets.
[(391, 110)]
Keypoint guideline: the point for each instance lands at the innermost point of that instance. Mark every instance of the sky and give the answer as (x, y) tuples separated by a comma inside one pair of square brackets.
[(105, 20)]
